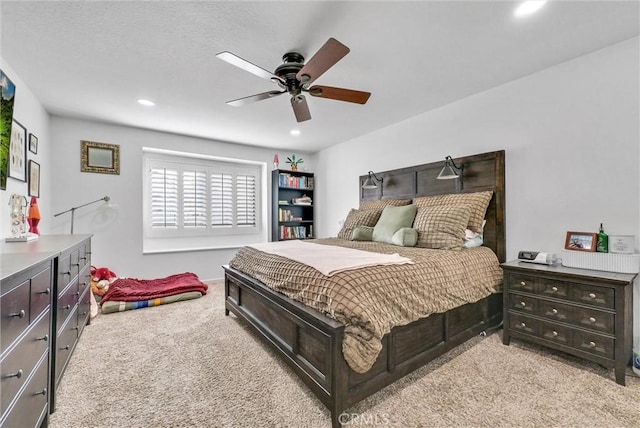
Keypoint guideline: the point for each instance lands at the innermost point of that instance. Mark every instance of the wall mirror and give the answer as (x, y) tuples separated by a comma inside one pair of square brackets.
[(99, 157)]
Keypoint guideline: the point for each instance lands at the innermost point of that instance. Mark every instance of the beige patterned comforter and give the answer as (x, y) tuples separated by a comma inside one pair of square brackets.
[(371, 301)]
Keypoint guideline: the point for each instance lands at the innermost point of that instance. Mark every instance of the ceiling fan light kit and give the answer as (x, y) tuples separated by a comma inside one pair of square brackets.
[(294, 77)]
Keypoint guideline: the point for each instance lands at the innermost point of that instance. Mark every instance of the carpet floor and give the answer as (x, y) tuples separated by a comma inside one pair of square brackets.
[(187, 365)]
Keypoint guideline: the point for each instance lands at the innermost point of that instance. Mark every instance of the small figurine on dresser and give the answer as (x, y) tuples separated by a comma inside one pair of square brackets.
[(18, 204)]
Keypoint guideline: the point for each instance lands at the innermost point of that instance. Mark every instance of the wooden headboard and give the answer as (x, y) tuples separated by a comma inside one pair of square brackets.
[(480, 172)]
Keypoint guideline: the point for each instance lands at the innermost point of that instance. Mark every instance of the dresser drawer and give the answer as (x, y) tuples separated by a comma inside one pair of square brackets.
[(84, 279), (596, 296), (557, 289), (16, 366), (40, 293), (594, 343), (524, 324), (556, 311), (522, 282), (31, 406), (14, 312), (84, 307), (74, 262), (84, 254), (595, 320), (556, 333), (523, 303), (65, 343), (64, 271), (66, 303)]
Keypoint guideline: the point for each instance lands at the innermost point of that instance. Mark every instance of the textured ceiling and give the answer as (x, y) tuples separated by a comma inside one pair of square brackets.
[(94, 59)]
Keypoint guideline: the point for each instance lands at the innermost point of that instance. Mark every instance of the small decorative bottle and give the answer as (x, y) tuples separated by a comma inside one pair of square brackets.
[(602, 245), (276, 161)]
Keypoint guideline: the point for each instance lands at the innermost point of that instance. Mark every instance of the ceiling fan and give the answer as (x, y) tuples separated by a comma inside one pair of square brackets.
[(295, 77)]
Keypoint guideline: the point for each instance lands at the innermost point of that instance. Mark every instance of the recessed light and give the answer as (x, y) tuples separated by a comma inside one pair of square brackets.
[(295, 132), (146, 102), (528, 7)]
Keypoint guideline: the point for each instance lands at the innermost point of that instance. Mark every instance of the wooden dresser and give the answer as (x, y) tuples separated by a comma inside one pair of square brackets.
[(585, 313), (44, 305)]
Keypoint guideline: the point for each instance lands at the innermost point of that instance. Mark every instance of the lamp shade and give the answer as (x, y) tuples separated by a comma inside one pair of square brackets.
[(447, 173), (369, 184)]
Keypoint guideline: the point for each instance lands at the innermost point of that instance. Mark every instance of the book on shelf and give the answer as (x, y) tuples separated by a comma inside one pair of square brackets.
[(280, 202), (295, 182)]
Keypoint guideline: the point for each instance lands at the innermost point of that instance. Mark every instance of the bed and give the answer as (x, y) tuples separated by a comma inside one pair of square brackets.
[(312, 342)]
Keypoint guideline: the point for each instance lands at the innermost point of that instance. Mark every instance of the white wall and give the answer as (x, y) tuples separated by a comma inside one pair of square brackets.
[(571, 135), (117, 243), (29, 113)]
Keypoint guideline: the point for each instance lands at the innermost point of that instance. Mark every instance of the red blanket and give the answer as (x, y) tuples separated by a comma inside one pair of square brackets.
[(133, 290)]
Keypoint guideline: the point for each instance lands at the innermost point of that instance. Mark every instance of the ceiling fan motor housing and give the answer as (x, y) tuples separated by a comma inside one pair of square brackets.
[(292, 63)]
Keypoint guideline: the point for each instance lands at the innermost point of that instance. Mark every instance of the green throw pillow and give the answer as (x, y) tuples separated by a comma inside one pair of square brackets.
[(362, 233), (405, 237), (391, 220)]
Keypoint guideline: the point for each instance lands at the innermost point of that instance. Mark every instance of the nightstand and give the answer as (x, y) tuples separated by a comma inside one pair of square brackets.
[(585, 313)]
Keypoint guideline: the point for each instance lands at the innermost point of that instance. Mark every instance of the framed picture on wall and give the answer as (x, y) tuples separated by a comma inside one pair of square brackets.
[(34, 179), (33, 144), (18, 152), (581, 241)]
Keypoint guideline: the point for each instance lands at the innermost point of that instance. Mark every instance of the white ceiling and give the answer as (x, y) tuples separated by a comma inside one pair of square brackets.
[(94, 59)]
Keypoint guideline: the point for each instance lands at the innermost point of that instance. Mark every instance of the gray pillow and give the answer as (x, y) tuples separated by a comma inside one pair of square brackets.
[(405, 237), (362, 233), (391, 220)]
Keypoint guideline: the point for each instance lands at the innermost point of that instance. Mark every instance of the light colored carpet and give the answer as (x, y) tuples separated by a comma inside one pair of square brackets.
[(187, 365)]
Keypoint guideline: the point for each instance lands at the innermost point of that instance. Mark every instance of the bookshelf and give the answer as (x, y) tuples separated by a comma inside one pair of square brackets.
[(292, 215)]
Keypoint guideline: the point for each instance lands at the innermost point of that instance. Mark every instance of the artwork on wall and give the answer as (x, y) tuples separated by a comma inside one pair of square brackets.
[(99, 157), (34, 179), (33, 144), (6, 118), (18, 152)]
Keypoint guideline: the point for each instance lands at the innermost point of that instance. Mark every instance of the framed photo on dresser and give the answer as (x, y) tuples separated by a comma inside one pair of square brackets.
[(581, 241)]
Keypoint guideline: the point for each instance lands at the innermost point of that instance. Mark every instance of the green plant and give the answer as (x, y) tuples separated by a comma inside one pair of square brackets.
[(293, 161)]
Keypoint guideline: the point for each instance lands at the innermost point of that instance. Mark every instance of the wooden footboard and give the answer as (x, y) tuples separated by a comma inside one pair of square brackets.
[(311, 343)]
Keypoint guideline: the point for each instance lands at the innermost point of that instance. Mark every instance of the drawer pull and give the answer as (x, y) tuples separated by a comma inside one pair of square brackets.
[(592, 344), (555, 333), (46, 291), (17, 374), (20, 314), (65, 348), (523, 304), (522, 325), (43, 392), (66, 273), (75, 264), (523, 283), (77, 293), (66, 307), (83, 313), (592, 319), (75, 328), (83, 258), (45, 338), (554, 289), (592, 295), (554, 310)]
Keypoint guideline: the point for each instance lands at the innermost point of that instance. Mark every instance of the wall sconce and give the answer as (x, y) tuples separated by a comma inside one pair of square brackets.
[(372, 181), (73, 210), (450, 170)]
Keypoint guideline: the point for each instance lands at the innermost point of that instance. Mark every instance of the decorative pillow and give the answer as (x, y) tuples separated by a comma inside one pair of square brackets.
[(391, 220), (478, 201), (405, 237), (442, 227), (362, 233), (357, 218), (378, 205)]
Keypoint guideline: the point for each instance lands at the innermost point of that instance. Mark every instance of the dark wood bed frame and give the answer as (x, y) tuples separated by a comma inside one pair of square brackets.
[(311, 343)]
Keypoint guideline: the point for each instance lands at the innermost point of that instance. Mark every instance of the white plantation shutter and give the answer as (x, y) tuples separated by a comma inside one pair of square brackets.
[(246, 200), (164, 198), (221, 199), (194, 198)]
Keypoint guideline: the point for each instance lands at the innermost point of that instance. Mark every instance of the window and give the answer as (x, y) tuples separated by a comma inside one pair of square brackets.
[(206, 201)]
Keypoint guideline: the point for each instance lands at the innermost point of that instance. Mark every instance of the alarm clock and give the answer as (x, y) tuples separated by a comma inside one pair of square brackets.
[(537, 257)]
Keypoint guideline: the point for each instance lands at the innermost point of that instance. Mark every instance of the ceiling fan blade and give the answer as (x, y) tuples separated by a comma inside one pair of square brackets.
[(330, 53), (300, 108), (247, 66), (340, 94), (253, 98)]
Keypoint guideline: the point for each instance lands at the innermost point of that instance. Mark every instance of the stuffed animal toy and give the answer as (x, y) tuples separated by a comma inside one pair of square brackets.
[(100, 280)]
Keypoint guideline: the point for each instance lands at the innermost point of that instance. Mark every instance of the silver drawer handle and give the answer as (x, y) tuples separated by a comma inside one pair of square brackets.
[(66, 273), (592, 319), (554, 289), (75, 328), (65, 307), (592, 344), (17, 374), (592, 295), (554, 310), (523, 283), (43, 392), (555, 334), (20, 314), (46, 291), (65, 348), (77, 293), (522, 324), (45, 338), (523, 304)]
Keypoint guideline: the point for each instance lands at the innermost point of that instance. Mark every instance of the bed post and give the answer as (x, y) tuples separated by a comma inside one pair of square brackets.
[(339, 382)]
